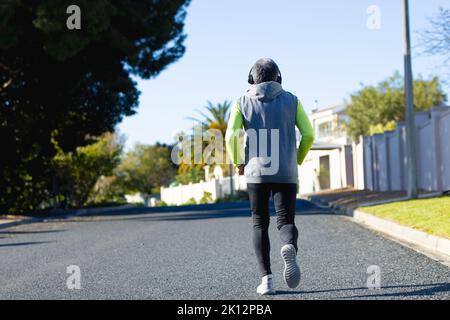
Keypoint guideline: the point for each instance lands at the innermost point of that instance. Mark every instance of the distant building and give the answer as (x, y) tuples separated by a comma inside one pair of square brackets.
[(148, 200), (329, 164)]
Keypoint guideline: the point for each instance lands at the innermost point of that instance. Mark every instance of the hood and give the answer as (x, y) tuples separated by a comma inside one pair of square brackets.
[(265, 91)]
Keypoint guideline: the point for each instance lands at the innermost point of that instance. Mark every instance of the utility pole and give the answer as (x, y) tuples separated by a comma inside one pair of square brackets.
[(409, 105)]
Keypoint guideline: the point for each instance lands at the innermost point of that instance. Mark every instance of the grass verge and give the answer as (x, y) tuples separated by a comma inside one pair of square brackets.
[(429, 215)]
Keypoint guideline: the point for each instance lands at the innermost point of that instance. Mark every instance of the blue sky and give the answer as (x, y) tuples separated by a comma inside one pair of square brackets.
[(323, 47)]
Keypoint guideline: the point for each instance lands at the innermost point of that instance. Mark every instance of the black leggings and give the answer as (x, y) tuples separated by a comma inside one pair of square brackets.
[(284, 198)]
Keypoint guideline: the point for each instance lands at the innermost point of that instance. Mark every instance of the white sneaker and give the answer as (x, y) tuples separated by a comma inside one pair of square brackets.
[(291, 270), (266, 286)]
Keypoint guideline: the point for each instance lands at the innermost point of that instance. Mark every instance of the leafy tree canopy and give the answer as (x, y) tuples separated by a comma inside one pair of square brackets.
[(76, 173), (374, 109), (145, 167), (69, 84)]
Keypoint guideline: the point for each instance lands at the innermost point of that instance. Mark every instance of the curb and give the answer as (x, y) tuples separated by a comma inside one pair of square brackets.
[(417, 237), (438, 247), (4, 225), (59, 215)]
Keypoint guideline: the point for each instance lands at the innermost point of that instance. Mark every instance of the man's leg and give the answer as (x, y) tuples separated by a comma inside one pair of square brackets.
[(284, 198), (259, 194)]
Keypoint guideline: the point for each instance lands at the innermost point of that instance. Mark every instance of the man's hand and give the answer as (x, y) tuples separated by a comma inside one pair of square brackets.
[(240, 169)]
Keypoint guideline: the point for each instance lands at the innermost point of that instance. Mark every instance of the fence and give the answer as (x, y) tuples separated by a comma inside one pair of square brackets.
[(384, 155), (182, 194)]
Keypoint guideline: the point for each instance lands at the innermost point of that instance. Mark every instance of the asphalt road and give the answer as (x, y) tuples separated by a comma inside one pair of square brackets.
[(207, 255)]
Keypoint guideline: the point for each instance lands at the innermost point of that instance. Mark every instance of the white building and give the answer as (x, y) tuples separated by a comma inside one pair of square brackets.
[(214, 188), (329, 164), (142, 198)]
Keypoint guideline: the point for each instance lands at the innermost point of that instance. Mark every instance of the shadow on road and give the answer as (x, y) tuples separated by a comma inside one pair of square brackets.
[(209, 214), (199, 212), (303, 206), (235, 213), (29, 232), (433, 289), (422, 290), (22, 244)]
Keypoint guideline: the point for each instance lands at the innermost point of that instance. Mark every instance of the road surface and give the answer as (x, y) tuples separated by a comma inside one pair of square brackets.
[(207, 255)]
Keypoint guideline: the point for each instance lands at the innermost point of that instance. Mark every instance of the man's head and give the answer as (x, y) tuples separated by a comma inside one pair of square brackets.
[(264, 70)]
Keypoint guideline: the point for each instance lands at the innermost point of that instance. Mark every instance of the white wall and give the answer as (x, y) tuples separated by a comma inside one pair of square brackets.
[(385, 163), (307, 181), (443, 161), (135, 198), (179, 195), (358, 164)]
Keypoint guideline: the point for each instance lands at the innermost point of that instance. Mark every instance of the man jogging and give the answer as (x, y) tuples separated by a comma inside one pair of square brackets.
[(269, 116)]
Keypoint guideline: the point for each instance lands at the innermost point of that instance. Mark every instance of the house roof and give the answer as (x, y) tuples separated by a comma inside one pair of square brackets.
[(321, 145), (336, 108)]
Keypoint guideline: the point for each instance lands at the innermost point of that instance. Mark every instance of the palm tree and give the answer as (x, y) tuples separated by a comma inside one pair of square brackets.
[(216, 116)]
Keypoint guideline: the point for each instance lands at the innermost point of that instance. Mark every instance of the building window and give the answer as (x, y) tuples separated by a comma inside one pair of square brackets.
[(324, 129)]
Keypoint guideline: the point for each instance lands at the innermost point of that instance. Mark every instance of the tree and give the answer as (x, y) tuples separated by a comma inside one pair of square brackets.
[(215, 117), (106, 191), (190, 173), (76, 173), (69, 84), (374, 109), (436, 40), (145, 168)]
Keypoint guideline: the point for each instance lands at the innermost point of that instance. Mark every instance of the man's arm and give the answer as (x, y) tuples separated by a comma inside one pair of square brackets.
[(304, 125), (235, 124)]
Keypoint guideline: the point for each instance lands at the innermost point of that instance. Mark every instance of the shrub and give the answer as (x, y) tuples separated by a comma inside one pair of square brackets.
[(207, 197), (191, 201), (160, 203), (239, 195)]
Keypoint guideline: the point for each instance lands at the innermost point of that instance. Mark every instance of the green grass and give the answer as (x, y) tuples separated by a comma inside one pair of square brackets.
[(429, 215)]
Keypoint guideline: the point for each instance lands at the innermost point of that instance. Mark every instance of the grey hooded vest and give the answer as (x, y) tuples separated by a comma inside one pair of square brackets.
[(269, 115)]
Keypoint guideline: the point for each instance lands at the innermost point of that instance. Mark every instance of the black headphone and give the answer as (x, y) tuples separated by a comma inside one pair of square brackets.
[(251, 81)]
